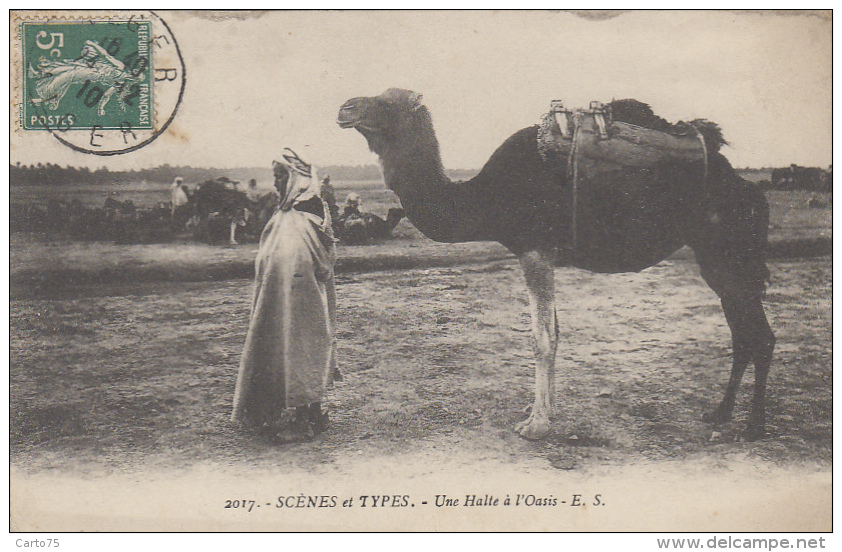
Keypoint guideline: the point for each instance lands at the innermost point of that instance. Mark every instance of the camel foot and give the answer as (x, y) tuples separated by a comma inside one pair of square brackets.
[(754, 433), (298, 434), (533, 428), (755, 429), (722, 415), (528, 411)]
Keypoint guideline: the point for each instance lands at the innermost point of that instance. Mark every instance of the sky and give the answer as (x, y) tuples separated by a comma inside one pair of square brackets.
[(259, 82)]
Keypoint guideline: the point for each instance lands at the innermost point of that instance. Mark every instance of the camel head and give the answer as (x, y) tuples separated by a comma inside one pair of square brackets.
[(394, 216), (384, 118)]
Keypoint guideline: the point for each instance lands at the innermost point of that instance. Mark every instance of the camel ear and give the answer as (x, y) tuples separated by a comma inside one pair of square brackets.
[(415, 100)]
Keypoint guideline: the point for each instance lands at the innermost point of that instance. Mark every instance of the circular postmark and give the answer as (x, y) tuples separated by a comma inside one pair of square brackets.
[(105, 84)]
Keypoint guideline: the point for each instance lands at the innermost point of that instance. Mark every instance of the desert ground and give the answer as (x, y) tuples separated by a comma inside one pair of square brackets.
[(123, 361)]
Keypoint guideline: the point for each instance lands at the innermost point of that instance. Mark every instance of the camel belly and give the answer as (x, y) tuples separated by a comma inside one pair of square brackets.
[(628, 219), (633, 196)]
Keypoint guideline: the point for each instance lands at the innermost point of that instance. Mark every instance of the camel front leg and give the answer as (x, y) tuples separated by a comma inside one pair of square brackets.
[(539, 270)]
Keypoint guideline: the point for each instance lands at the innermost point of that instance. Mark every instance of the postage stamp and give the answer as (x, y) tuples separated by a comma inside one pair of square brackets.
[(103, 83), (82, 75)]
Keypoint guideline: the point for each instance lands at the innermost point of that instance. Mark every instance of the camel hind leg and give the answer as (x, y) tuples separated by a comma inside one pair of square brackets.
[(753, 341), (730, 245)]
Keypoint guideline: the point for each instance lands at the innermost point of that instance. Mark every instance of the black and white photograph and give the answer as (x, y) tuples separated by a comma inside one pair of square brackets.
[(422, 270)]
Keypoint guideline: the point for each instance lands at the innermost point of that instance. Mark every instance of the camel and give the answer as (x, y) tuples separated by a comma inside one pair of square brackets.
[(217, 203), (522, 199), (380, 229), (799, 178), (368, 227), (262, 210)]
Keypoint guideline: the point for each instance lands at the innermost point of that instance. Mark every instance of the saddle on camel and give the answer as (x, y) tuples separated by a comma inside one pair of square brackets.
[(602, 155)]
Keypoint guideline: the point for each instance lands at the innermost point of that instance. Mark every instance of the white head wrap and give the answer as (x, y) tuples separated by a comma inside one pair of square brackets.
[(303, 181)]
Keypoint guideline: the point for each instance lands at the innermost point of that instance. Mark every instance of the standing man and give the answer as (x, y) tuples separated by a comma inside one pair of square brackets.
[(289, 357)]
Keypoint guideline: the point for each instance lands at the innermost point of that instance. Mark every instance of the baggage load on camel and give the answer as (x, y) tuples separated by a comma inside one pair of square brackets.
[(626, 179), (600, 138)]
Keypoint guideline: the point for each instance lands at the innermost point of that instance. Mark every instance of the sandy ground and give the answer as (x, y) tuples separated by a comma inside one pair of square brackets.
[(121, 391)]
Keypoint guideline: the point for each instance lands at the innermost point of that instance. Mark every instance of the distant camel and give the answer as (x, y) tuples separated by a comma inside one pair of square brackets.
[(528, 201), (217, 204), (798, 178), (368, 227), (379, 229), (261, 210)]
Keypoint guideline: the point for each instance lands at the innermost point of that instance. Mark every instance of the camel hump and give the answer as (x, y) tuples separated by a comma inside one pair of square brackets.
[(628, 181)]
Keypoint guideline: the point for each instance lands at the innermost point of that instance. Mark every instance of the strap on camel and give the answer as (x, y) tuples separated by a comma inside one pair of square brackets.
[(569, 124), (598, 111)]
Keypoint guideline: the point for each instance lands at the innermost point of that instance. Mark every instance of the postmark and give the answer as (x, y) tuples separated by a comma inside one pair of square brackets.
[(103, 83)]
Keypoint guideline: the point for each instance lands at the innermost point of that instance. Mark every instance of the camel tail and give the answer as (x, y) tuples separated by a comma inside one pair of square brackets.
[(761, 227), (753, 212), (711, 133)]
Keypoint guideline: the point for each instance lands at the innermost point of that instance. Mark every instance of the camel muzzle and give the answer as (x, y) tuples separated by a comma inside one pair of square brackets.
[(352, 115), (347, 117), (354, 123)]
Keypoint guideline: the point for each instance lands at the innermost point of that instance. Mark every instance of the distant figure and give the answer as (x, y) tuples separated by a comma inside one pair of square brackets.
[(178, 197), (815, 202), (351, 226), (252, 192), (352, 206), (329, 195), (289, 356)]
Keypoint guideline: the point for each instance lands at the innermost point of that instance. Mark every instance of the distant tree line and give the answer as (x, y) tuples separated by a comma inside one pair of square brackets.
[(54, 175), (25, 175)]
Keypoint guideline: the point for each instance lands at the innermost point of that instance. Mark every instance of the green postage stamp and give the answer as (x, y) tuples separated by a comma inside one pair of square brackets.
[(101, 82), (87, 74)]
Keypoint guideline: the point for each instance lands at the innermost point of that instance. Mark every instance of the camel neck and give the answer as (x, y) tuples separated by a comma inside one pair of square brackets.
[(413, 161), (438, 208)]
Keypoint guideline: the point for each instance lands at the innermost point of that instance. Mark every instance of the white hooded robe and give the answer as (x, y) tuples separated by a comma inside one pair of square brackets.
[(289, 355)]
